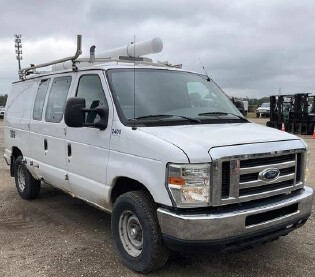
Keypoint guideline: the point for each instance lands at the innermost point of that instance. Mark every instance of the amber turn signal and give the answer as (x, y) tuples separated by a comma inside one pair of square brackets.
[(176, 181)]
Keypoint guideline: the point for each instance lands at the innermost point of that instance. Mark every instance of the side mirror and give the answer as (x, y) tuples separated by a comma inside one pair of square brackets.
[(103, 112), (75, 114)]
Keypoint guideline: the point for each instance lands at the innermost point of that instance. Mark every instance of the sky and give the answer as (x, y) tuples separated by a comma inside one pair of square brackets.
[(251, 48)]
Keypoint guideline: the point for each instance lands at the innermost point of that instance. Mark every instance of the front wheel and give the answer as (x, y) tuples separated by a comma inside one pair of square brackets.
[(137, 233), (27, 186)]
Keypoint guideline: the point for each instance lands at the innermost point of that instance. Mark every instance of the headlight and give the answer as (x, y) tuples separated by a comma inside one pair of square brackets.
[(189, 184)]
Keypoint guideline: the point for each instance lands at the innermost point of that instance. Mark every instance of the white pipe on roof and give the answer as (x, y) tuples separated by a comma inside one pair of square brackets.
[(138, 49)]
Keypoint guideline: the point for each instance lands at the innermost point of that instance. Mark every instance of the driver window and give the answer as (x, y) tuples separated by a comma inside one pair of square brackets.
[(90, 88)]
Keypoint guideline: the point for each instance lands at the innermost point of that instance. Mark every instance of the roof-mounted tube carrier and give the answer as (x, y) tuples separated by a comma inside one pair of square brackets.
[(128, 53)]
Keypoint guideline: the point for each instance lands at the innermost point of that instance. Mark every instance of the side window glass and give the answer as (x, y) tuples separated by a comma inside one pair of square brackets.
[(40, 99), (57, 99), (90, 88)]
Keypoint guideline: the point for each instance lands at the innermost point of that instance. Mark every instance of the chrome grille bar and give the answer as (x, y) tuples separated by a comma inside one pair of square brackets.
[(258, 183), (255, 169)]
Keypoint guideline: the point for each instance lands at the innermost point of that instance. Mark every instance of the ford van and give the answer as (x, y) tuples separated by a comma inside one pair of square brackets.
[(162, 149)]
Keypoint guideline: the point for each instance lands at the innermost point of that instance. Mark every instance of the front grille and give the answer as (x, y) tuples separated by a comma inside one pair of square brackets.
[(248, 178), (298, 167), (267, 161), (286, 171), (266, 188), (225, 179), (254, 176)]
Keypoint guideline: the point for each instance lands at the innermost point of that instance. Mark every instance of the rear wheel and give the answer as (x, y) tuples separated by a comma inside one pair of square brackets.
[(27, 186), (137, 233)]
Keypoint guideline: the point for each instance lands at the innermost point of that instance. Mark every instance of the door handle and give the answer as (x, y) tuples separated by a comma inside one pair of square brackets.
[(45, 144), (69, 150)]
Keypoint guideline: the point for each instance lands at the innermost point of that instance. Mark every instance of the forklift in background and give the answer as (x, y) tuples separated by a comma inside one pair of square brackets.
[(296, 112)]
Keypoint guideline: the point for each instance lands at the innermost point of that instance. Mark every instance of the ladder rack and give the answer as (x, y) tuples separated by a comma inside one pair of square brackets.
[(24, 72), (30, 70), (122, 59)]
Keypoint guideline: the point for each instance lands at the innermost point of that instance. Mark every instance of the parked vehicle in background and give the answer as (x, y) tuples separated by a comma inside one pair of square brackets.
[(239, 105), (2, 109), (170, 156), (245, 103), (263, 110)]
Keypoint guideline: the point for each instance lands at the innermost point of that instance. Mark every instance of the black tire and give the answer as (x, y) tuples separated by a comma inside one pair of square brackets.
[(31, 187), (257, 114), (153, 254)]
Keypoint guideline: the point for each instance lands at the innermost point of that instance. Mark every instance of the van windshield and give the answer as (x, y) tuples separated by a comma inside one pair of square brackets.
[(166, 95)]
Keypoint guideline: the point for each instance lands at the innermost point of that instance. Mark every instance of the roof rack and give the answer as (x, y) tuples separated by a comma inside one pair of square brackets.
[(30, 70), (85, 62), (115, 55)]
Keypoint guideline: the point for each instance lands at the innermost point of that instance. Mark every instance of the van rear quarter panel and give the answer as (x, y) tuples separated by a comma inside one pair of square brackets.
[(17, 116)]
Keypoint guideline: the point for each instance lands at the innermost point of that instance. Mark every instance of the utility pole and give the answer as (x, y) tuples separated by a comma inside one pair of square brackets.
[(18, 49)]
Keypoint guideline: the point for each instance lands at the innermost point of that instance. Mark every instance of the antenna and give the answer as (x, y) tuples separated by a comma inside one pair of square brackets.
[(208, 78), (18, 46), (134, 83)]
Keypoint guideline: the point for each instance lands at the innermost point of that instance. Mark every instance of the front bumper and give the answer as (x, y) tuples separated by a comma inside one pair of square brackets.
[(234, 223)]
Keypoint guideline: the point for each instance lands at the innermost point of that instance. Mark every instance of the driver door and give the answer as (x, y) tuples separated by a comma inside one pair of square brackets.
[(88, 147)]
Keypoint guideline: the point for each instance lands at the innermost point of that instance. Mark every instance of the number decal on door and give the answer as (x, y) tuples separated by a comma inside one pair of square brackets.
[(116, 131)]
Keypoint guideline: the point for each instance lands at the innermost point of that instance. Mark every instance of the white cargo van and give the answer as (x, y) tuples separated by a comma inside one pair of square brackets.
[(162, 149)]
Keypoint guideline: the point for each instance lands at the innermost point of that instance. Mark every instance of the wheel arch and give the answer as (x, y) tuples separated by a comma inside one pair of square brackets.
[(16, 152), (124, 184)]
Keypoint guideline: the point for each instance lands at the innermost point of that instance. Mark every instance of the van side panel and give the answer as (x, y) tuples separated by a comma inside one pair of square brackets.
[(17, 117), (47, 138)]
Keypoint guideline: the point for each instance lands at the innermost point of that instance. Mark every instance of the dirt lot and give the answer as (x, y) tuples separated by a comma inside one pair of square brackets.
[(57, 235)]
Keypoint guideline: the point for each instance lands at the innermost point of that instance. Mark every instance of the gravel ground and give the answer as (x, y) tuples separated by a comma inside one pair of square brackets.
[(57, 235)]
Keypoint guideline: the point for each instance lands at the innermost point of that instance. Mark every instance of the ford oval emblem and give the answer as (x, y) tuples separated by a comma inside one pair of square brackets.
[(269, 174)]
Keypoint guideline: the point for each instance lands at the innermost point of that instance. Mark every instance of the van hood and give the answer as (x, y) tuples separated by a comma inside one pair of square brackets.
[(197, 140)]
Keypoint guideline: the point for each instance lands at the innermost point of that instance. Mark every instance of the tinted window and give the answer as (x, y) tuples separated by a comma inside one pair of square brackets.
[(40, 99), (57, 98), (90, 88)]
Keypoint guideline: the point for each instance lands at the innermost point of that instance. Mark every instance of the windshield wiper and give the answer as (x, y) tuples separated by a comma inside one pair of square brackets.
[(223, 113), (153, 116)]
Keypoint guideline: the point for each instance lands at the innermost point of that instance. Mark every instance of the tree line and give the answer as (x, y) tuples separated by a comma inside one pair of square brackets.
[(258, 102)]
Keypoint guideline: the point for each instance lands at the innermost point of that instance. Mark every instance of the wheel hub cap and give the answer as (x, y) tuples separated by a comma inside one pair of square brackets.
[(21, 178), (131, 235)]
